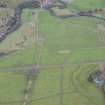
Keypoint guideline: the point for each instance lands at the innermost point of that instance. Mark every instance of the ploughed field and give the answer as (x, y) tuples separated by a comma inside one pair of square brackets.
[(69, 49)]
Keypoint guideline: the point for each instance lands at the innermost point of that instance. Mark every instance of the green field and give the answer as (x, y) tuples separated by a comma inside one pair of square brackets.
[(11, 88), (47, 88), (77, 43), (72, 40), (77, 90), (87, 5)]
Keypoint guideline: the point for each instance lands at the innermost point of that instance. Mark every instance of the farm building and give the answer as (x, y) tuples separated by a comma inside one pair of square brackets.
[(100, 79)]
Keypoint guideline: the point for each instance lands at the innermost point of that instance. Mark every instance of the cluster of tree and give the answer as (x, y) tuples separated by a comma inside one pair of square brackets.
[(3, 3), (90, 12), (15, 22)]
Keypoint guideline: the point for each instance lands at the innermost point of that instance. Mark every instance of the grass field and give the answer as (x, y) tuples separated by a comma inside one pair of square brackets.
[(47, 89), (77, 90), (87, 5), (52, 42), (72, 40), (11, 88)]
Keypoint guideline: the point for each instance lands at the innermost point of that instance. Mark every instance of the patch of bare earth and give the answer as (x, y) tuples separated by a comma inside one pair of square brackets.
[(62, 12)]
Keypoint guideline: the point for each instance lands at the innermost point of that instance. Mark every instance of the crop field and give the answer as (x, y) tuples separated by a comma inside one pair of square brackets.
[(49, 59), (87, 5)]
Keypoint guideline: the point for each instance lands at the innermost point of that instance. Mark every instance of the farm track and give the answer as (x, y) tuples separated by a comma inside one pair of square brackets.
[(31, 78), (32, 75), (26, 69)]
